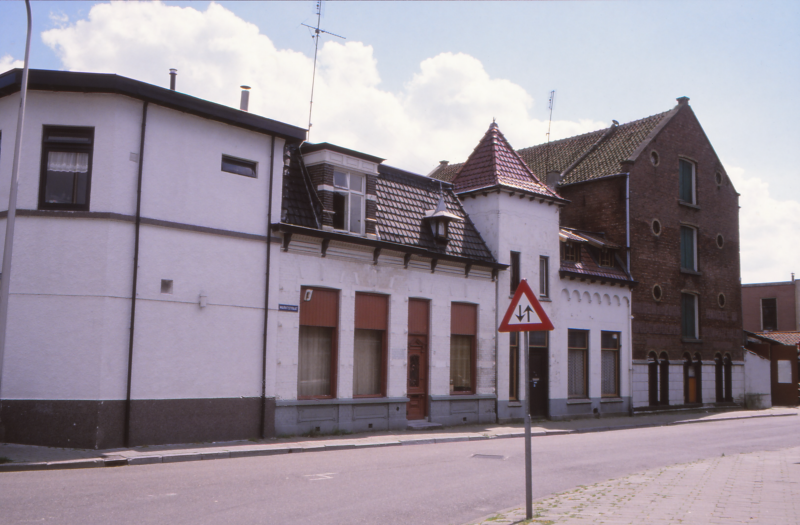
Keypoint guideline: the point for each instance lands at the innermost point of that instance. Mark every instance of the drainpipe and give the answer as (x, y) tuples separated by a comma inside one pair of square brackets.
[(266, 294), (5, 276), (137, 224)]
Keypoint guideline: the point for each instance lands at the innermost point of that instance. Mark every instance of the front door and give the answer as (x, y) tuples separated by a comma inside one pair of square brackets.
[(538, 364), (417, 377)]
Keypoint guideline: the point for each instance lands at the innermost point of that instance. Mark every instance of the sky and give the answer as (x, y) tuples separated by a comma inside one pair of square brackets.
[(420, 82)]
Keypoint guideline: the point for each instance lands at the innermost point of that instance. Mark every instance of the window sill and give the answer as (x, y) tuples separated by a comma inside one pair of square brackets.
[(687, 271), (514, 404), (545, 299), (337, 401), (687, 340), (462, 396), (611, 400), (579, 401), (688, 204)]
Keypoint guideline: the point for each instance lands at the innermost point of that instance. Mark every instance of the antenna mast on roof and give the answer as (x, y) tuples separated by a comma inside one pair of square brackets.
[(550, 105), (316, 36)]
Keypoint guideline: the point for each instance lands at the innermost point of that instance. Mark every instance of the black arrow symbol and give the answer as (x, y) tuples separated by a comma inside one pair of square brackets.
[(521, 314), (528, 311)]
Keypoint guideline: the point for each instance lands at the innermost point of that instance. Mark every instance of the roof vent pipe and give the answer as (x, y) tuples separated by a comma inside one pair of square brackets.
[(173, 73), (245, 102)]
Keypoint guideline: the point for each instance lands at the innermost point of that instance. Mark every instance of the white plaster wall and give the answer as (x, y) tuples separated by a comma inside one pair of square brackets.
[(116, 120), (302, 266), (640, 393), (596, 308), (182, 350), (183, 181), (757, 380), (69, 309), (508, 223)]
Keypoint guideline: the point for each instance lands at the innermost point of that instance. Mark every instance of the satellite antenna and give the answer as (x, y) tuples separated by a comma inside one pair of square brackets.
[(550, 106), (316, 36)]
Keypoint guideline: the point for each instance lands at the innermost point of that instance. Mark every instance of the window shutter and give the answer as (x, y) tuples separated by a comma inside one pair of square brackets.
[(463, 319)]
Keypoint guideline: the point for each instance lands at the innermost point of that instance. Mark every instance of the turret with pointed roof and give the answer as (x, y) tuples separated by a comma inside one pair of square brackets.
[(494, 164)]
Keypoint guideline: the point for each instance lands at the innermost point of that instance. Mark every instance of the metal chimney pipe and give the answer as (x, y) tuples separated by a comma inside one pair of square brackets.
[(173, 73), (245, 102)]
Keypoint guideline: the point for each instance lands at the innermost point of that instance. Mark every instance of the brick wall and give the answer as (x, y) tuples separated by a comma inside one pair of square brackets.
[(785, 301), (655, 259), (597, 206)]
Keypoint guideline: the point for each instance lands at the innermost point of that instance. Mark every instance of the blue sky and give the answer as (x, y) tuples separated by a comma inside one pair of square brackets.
[(437, 72)]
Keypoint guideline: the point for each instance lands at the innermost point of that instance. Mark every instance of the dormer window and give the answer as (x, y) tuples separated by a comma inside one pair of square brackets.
[(348, 201), (606, 257), (571, 252), (439, 219)]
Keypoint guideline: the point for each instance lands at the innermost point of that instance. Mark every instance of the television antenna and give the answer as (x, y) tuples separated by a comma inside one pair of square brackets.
[(315, 36), (551, 103)]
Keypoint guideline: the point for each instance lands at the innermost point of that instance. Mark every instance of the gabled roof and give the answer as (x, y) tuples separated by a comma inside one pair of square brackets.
[(494, 163), (588, 156)]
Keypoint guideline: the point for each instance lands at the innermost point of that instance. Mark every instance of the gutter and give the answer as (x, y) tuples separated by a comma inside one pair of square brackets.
[(138, 222)]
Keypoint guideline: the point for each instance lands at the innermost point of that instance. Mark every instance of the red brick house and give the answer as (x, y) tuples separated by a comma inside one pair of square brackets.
[(771, 306), (656, 187)]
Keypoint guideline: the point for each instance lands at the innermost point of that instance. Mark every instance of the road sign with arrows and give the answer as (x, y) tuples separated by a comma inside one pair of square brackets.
[(525, 314)]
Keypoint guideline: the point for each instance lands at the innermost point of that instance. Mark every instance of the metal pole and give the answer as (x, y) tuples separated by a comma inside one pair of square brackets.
[(5, 277), (528, 467)]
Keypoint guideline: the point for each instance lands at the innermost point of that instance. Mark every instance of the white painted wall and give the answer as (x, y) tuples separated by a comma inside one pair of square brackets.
[(352, 271), (757, 381)]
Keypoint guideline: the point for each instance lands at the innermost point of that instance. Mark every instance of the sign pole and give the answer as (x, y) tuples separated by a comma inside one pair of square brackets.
[(528, 467)]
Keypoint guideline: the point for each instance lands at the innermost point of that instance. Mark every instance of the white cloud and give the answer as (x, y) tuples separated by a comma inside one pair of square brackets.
[(441, 113), (7, 62), (769, 231)]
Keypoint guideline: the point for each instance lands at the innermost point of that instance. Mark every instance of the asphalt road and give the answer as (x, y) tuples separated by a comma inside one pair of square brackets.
[(420, 484)]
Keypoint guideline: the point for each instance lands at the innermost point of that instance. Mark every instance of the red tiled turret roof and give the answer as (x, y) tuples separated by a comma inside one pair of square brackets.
[(494, 163)]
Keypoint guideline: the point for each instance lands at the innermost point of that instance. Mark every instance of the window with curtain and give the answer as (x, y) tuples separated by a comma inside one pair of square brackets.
[(66, 168), (463, 329), (369, 346), (609, 364), (317, 345), (577, 364), (314, 361)]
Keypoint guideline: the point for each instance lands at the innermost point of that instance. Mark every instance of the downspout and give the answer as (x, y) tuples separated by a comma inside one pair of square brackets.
[(628, 263), (497, 347), (628, 220), (138, 221), (266, 293)]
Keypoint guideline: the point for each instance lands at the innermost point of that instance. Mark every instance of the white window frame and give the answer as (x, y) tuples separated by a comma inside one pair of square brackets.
[(347, 191)]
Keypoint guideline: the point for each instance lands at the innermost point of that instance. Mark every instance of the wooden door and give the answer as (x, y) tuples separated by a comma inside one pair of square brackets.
[(538, 365), (417, 365), (417, 377)]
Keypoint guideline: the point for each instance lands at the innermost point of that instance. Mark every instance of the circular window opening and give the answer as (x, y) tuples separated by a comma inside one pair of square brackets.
[(654, 158), (718, 178), (721, 300), (657, 293), (656, 226), (720, 241)]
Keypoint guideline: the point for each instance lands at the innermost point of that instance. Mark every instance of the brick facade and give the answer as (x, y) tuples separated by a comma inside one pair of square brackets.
[(599, 205)]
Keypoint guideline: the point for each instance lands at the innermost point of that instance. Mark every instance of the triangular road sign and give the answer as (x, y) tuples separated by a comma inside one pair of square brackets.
[(525, 314)]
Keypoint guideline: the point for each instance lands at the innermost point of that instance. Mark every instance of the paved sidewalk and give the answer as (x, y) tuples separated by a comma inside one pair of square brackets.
[(752, 488), (25, 457)]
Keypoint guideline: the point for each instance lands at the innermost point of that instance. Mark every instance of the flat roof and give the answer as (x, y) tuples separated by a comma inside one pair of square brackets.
[(310, 148), (77, 82)]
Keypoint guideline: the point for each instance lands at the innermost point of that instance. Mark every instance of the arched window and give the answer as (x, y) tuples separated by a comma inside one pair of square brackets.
[(727, 365), (652, 378), (664, 369)]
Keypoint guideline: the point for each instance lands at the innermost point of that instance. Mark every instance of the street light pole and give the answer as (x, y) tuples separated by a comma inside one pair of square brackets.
[(5, 276)]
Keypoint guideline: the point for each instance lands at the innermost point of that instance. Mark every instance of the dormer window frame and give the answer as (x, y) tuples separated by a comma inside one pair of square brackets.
[(345, 195), (572, 251), (606, 258)]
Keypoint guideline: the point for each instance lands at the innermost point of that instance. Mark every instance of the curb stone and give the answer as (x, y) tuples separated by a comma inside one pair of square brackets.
[(120, 461)]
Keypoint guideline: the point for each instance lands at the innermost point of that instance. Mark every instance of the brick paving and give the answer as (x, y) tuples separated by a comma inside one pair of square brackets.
[(753, 488)]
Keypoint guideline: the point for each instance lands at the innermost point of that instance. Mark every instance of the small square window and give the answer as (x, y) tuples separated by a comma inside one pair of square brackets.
[(243, 167), (166, 286)]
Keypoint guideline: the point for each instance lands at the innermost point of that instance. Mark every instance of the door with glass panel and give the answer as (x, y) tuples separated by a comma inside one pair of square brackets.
[(417, 388)]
